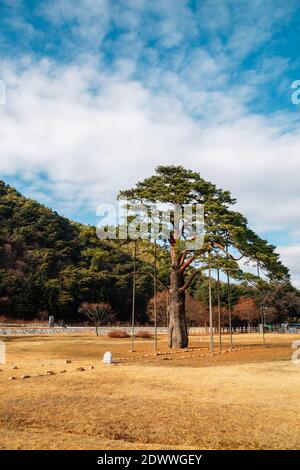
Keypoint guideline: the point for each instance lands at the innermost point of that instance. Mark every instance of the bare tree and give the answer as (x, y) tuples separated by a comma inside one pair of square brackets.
[(196, 311), (162, 308), (247, 310), (98, 313)]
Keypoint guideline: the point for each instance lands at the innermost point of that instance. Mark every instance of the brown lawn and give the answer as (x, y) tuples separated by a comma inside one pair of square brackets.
[(248, 398)]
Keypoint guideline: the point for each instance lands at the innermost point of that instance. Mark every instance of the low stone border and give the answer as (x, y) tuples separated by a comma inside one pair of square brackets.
[(102, 331)]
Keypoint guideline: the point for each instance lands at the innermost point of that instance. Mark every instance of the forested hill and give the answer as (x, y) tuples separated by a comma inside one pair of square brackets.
[(49, 265)]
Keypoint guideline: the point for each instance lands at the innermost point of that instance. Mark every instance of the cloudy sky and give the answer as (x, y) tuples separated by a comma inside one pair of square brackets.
[(99, 92)]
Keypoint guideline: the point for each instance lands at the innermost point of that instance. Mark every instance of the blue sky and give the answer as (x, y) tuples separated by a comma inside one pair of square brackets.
[(99, 92)]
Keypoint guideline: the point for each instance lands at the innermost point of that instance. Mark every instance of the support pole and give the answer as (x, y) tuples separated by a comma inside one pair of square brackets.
[(219, 309), (133, 299), (155, 297), (262, 313), (229, 310), (211, 334), (167, 308), (229, 306)]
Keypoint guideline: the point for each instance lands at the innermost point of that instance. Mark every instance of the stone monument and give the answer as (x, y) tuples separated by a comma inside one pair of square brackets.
[(107, 358)]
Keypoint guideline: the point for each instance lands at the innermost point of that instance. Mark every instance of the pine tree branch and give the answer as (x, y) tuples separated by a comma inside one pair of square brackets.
[(191, 278), (187, 263)]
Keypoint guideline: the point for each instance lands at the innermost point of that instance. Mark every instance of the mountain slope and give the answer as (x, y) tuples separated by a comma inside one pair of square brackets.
[(49, 265)]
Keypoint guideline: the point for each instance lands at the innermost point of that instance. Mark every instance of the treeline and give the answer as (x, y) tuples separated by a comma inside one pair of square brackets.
[(280, 303)]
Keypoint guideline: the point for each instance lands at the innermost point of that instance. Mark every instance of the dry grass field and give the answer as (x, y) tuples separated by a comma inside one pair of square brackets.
[(248, 398)]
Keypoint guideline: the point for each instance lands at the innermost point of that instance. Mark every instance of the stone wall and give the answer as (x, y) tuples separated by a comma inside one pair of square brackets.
[(25, 330)]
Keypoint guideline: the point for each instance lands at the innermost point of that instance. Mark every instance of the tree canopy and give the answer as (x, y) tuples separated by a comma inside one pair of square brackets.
[(224, 227)]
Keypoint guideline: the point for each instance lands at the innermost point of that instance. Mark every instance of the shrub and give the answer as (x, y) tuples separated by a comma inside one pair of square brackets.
[(143, 334), (118, 334)]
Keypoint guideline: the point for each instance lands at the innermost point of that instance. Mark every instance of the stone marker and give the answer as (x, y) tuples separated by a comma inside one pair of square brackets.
[(51, 321), (107, 358)]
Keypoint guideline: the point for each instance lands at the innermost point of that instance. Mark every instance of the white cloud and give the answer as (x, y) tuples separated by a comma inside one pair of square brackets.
[(105, 140), (88, 20), (291, 257)]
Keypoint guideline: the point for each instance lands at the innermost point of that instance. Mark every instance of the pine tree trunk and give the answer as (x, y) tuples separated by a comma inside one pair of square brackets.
[(178, 334)]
